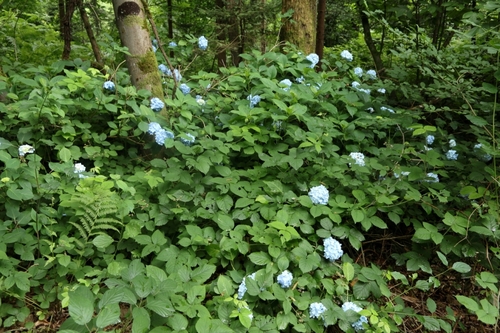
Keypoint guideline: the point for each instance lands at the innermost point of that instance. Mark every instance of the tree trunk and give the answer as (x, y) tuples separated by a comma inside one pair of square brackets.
[(220, 22), (320, 31), (67, 8), (369, 40), (90, 33), (302, 32), (141, 63), (234, 32)]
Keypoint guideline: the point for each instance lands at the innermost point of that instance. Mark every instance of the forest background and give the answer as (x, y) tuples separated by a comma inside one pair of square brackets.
[(249, 166)]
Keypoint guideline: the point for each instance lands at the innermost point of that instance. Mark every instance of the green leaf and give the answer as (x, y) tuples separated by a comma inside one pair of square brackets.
[(260, 258), (20, 194), (102, 241), (81, 305), (109, 315), (431, 305), (141, 320), (348, 270), (431, 324), (357, 215), (224, 286), (160, 305), (224, 221), (489, 88), (476, 120), (64, 154), (178, 322), (203, 273), (469, 303), (461, 267)]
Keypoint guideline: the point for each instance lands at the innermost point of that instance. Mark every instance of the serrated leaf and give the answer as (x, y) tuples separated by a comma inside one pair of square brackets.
[(81, 305), (461, 267), (141, 320), (178, 322), (224, 286), (348, 270), (102, 241), (109, 315), (260, 258)]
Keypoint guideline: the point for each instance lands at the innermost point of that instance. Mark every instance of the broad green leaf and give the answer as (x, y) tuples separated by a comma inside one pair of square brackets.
[(461, 267), (348, 270), (102, 241), (357, 215), (109, 315), (64, 154), (469, 303), (141, 320), (431, 305), (81, 305), (260, 258), (224, 286)]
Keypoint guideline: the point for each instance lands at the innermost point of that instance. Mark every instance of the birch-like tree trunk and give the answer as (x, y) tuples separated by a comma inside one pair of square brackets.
[(301, 31), (134, 34)]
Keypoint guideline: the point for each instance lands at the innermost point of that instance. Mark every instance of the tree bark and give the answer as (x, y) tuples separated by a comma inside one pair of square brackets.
[(134, 34), (90, 33), (320, 31), (369, 40), (301, 32), (67, 8), (234, 31)]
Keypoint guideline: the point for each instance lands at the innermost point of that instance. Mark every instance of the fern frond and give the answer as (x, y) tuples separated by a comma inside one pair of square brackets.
[(83, 233)]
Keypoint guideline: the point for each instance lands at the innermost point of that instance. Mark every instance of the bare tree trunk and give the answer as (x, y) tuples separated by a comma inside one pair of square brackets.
[(263, 30), (221, 36), (90, 33), (170, 24), (369, 40), (68, 8), (234, 32), (320, 31), (141, 63), (303, 31)]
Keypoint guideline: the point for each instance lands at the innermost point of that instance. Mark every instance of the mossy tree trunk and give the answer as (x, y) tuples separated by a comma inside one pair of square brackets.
[(134, 34), (301, 30)]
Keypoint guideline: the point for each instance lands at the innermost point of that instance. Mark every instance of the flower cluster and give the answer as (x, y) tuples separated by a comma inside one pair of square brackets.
[(203, 43), (381, 90), (333, 249), (346, 55), (358, 158), (313, 58), (156, 104), (319, 195), (185, 89), (358, 325), (316, 310), (433, 178), (254, 100), (452, 143), (160, 134), (485, 157), (402, 174), (167, 72), (383, 108), (189, 141), (285, 279), (200, 100), (26, 149), (109, 85), (452, 155), (79, 168), (172, 44), (371, 74), (356, 85), (242, 289), (358, 71), (286, 83), (429, 139)]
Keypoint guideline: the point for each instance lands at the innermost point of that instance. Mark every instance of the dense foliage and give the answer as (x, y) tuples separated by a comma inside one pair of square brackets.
[(276, 197)]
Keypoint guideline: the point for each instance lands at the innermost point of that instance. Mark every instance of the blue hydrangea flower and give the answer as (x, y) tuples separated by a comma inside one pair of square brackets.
[(452, 155), (26, 149), (161, 135), (358, 325), (153, 127), (433, 178), (381, 90), (156, 104), (78, 169), (371, 74), (172, 44), (287, 83), (313, 58), (359, 158), (190, 141), (109, 85), (358, 71), (452, 143), (319, 195), (203, 43), (355, 84), (165, 70), (346, 55), (370, 109), (486, 157), (402, 174), (333, 249), (242, 289), (185, 89), (316, 310), (154, 48), (383, 108), (285, 279), (300, 79), (200, 100), (478, 146), (254, 100), (429, 139)]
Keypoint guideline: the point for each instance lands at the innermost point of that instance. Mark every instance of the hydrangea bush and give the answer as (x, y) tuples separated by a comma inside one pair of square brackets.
[(214, 219)]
